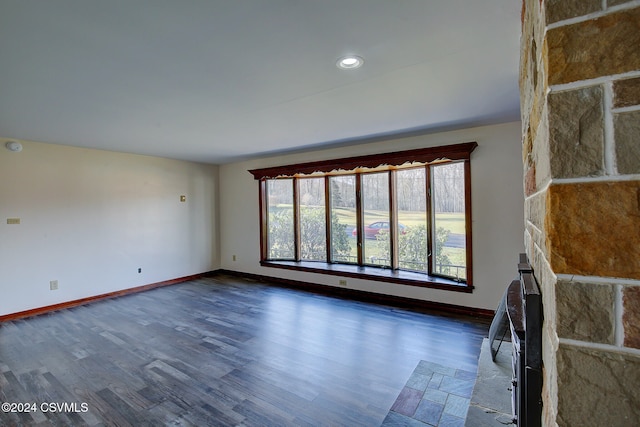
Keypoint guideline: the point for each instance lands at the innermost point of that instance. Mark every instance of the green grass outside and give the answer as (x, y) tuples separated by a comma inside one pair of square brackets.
[(454, 222)]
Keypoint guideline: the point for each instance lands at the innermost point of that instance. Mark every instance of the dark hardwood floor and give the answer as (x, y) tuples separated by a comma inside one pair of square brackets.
[(223, 351)]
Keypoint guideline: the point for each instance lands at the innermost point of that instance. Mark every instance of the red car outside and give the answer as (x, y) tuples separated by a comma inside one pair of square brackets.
[(372, 230)]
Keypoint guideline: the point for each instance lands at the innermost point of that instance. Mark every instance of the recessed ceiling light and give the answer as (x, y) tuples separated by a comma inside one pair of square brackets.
[(350, 62)]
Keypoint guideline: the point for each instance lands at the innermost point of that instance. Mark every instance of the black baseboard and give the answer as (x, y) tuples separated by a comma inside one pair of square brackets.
[(365, 296)]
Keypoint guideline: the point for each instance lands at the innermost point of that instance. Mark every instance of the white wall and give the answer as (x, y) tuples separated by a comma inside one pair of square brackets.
[(497, 202), (91, 218)]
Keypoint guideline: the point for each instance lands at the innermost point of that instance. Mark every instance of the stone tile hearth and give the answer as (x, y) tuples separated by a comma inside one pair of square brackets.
[(442, 396), (434, 395)]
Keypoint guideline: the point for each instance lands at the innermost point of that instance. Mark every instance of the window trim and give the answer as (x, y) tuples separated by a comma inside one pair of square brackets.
[(388, 161)]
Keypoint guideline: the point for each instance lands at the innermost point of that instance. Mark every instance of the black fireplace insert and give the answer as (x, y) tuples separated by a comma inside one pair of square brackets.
[(520, 314)]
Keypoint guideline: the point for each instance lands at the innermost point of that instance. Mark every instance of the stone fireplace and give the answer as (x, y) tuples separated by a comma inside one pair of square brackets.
[(580, 103)]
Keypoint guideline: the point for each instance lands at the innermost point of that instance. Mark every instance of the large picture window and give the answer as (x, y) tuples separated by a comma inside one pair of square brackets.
[(402, 217)]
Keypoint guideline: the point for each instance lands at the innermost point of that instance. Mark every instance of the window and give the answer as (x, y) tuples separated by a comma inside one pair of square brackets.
[(376, 240), (402, 217), (281, 241), (313, 226), (343, 218), (412, 219)]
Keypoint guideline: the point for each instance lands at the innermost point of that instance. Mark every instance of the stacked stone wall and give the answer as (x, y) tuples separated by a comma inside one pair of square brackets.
[(580, 103)]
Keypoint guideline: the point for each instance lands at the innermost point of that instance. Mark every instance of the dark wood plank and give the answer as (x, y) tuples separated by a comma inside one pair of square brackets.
[(224, 350)]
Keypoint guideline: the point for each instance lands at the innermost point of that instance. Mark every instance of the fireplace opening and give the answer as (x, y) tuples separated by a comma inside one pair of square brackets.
[(518, 320)]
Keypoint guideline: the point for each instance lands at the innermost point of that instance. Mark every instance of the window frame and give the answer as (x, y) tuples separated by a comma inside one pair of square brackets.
[(358, 166)]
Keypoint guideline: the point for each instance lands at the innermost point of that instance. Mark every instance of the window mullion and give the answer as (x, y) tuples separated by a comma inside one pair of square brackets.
[(327, 218), (467, 210), (359, 220), (264, 227), (393, 221), (430, 222), (296, 219)]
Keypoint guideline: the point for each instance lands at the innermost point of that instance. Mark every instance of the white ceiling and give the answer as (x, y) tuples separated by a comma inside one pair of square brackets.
[(222, 80)]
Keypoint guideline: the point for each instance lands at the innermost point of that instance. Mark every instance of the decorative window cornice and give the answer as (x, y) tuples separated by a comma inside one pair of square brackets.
[(460, 151)]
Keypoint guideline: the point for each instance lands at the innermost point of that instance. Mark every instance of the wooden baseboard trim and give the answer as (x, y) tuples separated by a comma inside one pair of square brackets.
[(400, 302), (83, 301)]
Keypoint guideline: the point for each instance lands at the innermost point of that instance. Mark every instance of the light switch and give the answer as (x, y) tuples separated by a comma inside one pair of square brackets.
[(183, 198)]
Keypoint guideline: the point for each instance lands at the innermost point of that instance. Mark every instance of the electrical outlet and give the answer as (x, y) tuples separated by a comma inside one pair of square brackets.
[(13, 221), (53, 285), (234, 257), (342, 283), (139, 270)]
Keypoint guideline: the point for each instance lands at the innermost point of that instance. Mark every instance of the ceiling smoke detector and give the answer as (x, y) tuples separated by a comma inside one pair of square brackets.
[(13, 146)]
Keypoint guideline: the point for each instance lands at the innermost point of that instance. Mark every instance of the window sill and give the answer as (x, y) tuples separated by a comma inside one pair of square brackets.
[(373, 273)]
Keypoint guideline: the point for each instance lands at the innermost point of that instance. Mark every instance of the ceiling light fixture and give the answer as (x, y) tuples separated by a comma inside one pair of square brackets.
[(350, 62), (13, 146)]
